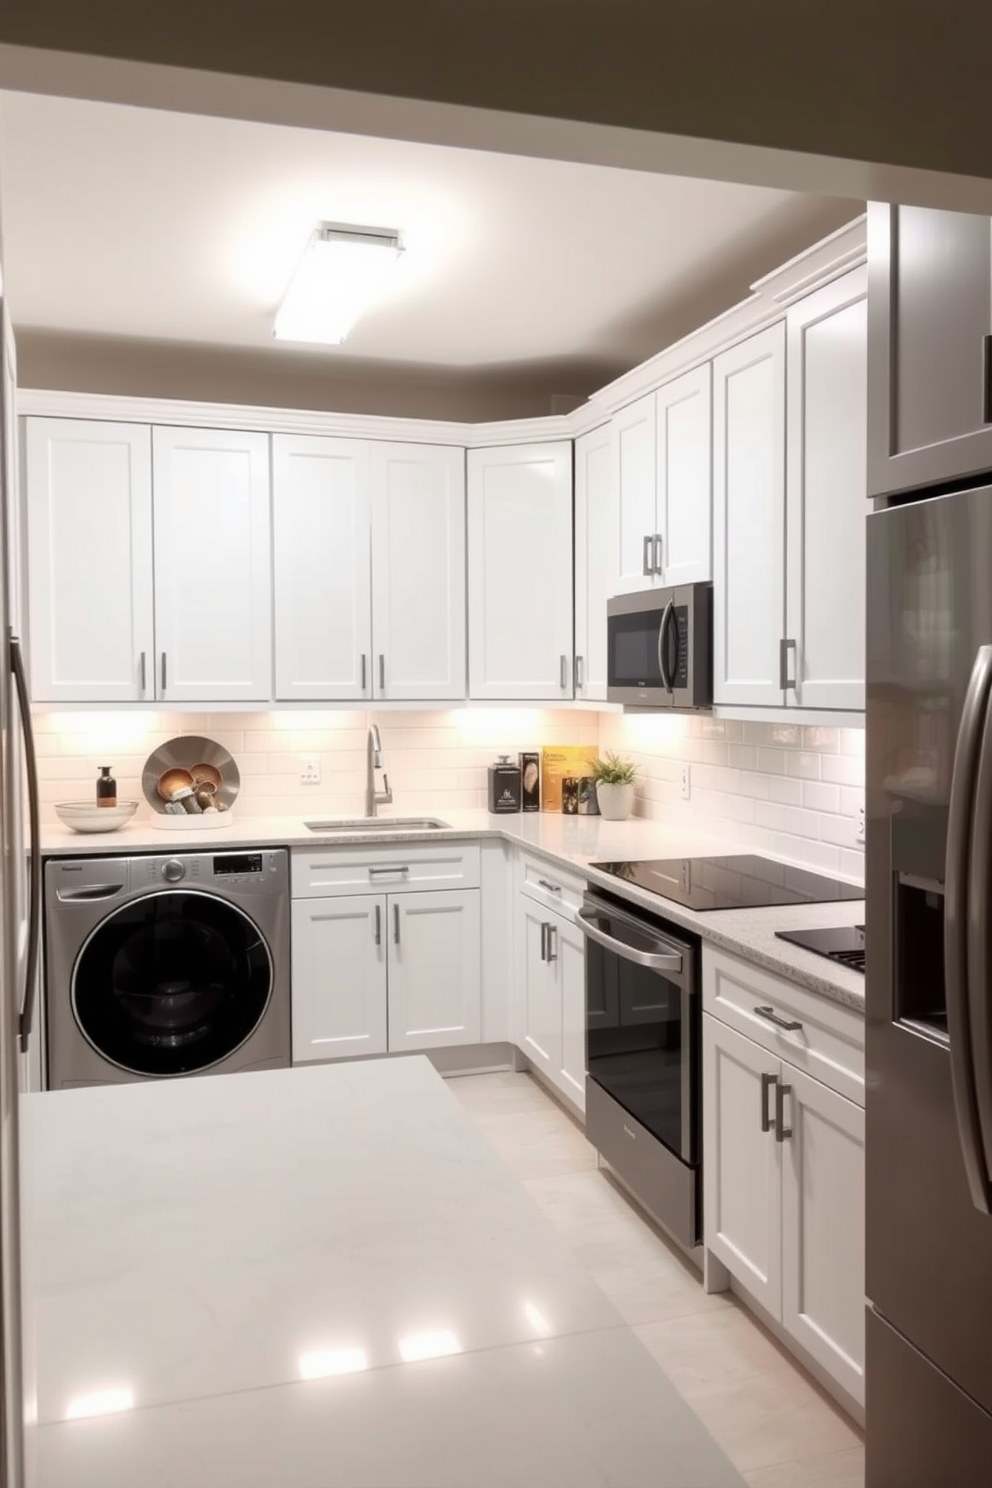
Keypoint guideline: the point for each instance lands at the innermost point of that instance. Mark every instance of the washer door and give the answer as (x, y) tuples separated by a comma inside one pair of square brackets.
[(171, 983)]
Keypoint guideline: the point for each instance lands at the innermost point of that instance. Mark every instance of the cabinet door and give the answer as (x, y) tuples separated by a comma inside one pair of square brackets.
[(339, 977), (741, 1163), (749, 520), (520, 572), (435, 969), (322, 567), (823, 1228), (635, 474), (537, 1013), (827, 516), (684, 413), (89, 506), (568, 947), (418, 571), (596, 557), (213, 586), (930, 315)]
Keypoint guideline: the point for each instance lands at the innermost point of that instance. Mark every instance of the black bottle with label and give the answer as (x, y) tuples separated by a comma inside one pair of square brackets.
[(106, 788), (504, 786)]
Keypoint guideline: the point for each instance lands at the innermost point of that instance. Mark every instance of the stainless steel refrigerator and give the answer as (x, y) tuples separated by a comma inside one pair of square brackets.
[(19, 922), (929, 994)]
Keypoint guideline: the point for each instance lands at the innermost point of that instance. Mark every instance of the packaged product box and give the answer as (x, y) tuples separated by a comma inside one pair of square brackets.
[(557, 762)]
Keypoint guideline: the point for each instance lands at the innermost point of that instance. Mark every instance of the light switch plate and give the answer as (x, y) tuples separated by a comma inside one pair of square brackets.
[(861, 824), (309, 770), (686, 782)]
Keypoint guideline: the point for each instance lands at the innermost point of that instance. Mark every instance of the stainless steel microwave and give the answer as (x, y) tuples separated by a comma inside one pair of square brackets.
[(660, 648)]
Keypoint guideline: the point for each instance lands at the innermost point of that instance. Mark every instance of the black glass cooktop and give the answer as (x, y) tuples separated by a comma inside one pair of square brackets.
[(739, 882), (843, 943)]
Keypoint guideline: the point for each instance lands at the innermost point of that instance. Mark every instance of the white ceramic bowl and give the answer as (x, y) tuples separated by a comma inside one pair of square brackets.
[(87, 816)]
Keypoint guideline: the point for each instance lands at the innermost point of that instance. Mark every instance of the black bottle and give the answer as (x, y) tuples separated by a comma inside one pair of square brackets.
[(106, 788), (504, 786)]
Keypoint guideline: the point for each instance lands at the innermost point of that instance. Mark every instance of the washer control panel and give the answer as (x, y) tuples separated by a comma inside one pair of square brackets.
[(173, 871)]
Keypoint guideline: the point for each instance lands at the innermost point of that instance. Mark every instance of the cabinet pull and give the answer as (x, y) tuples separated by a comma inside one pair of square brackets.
[(382, 672), (782, 1132), (389, 870), (656, 549), (784, 680), (767, 1081), (987, 379), (551, 888), (552, 942), (648, 548), (771, 1016), (378, 924), (396, 923), (563, 672), (364, 674), (544, 940), (580, 672), (144, 672), (163, 671)]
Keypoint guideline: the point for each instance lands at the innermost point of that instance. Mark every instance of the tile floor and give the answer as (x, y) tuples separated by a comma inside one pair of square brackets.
[(775, 1425)]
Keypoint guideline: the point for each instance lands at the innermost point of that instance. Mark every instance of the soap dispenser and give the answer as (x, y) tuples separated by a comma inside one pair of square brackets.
[(106, 788), (504, 786)]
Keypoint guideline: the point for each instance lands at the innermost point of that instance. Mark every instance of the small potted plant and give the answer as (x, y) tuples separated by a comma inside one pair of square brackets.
[(614, 779)]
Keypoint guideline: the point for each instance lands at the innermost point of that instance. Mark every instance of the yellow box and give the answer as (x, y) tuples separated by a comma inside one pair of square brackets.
[(557, 762)]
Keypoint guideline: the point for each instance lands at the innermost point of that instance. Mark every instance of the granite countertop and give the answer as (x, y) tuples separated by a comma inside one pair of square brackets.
[(315, 1276), (569, 841)]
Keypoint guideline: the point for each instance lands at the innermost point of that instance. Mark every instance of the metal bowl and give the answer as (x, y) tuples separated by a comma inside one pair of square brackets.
[(186, 752)]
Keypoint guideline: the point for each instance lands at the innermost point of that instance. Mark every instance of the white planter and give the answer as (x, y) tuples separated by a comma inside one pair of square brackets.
[(616, 802)]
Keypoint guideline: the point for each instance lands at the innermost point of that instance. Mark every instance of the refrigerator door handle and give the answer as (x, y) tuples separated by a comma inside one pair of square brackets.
[(961, 886), (34, 844)]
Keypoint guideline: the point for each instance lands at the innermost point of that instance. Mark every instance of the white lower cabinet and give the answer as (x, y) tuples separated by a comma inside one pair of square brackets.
[(377, 973), (549, 1016), (783, 1175), (435, 969)]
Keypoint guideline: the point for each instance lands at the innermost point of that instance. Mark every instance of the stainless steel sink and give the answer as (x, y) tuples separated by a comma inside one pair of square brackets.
[(378, 824)]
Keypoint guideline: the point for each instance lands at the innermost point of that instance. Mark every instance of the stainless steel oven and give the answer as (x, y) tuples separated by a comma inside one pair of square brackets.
[(660, 648), (643, 1057)]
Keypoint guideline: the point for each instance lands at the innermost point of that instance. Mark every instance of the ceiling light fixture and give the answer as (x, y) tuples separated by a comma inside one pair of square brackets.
[(343, 271)]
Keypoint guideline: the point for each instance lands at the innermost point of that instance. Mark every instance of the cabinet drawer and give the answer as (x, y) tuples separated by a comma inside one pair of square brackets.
[(546, 884), (829, 1044), (400, 867)]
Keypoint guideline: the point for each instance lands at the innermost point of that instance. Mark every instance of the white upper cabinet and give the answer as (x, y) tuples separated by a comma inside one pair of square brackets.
[(596, 557), (213, 606), (825, 581), (684, 419), (520, 572), (634, 454), (322, 567), (418, 572), (749, 520), (90, 560)]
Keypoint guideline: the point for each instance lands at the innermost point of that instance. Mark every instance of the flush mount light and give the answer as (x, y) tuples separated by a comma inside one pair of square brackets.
[(343, 271)]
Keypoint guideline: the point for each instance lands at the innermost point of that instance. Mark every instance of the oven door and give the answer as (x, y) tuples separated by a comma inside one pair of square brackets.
[(642, 1023), (659, 648)]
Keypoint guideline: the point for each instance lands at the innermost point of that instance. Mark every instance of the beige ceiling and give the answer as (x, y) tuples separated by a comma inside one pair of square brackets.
[(131, 222)]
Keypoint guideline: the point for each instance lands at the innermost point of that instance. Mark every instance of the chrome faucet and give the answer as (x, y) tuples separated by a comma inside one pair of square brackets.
[(373, 798)]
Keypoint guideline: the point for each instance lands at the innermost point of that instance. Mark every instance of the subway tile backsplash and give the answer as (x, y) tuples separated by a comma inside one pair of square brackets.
[(788, 789)]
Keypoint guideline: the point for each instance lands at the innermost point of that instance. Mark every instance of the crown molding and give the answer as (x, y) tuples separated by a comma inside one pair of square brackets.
[(770, 297)]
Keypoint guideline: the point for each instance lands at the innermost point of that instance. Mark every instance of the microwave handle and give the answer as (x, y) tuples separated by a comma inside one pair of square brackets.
[(666, 620)]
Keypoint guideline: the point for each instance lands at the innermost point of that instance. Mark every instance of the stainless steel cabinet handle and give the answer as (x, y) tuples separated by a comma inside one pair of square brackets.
[(580, 672), (656, 549), (771, 1016), (144, 672), (396, 923), (378, 924), (164, 670), (563, 666), (648, 549), (365, 674), (767, 1081), (784, 680), (544, 940), (552, 942), (382, 672), (551, 888), (389, 870), (782, 1132)]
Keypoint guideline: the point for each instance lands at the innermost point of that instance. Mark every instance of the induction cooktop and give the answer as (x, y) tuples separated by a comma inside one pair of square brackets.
[(742, 881)]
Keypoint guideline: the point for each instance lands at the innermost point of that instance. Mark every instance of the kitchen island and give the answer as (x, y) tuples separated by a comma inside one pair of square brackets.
[(319, 1278)]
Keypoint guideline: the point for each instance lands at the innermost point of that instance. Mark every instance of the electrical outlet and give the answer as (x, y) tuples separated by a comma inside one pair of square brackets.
[(309, 770), (686, 783), (861, 824)]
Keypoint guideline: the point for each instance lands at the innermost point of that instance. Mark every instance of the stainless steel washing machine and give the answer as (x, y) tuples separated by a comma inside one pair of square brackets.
[(166, 965)]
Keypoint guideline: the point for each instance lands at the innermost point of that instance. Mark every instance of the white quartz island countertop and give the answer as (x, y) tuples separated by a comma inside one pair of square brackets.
[(569, 841), (319, 1278)]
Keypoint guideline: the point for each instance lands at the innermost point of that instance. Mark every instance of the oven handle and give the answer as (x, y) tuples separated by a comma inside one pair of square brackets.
[(653, 960)]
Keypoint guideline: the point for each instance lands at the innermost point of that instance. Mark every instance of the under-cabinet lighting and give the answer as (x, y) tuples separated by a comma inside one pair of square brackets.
[(322, 1363), (428, 1346), (343, 271), (100, 1403)]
